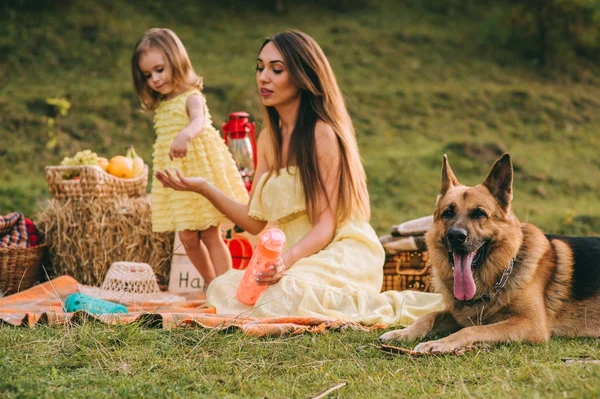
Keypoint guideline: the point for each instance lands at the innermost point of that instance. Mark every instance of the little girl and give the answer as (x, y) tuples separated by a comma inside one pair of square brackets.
[(166, 83)]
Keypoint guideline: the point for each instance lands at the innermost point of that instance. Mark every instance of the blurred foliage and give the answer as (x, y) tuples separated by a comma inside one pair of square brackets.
[(553, 31), (421, 78)]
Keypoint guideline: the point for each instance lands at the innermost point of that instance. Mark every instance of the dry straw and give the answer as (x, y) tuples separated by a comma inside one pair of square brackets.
[(86, 237)]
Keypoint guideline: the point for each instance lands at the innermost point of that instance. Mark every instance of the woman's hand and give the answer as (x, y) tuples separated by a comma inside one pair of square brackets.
[(179, 147), (272, 275), (180, 182)]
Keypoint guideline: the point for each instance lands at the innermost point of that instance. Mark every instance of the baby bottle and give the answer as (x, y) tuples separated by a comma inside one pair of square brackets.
[(267, 252)]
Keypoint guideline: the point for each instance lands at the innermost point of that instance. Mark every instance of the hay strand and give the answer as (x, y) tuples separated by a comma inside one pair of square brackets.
[(86, 237)]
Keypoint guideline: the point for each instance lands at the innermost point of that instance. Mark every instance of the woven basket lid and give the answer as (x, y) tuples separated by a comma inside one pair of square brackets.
[(128, 283)]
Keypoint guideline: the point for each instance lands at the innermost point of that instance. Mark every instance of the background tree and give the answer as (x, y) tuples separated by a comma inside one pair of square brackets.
[(546, 30)]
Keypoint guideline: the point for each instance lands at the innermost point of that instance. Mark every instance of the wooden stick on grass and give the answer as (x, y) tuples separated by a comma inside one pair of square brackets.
[(328, 391)]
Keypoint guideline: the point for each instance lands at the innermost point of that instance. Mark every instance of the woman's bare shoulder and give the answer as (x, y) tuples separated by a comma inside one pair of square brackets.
[(323, 128), (325, 137)]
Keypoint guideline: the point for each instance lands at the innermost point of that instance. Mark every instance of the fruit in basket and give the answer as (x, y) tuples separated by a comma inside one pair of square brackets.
[(120, 166), (138, 162), (103, 163), (81, 158)]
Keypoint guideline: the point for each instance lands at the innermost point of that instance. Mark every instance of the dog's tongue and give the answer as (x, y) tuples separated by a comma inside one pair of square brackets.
[(464, 286)]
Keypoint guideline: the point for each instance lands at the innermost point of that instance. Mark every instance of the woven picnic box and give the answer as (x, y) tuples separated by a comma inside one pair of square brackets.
[(407, 270), (93, 182), (20, 268)]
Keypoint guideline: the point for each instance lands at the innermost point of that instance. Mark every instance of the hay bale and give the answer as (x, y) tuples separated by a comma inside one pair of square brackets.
[(86, 237)]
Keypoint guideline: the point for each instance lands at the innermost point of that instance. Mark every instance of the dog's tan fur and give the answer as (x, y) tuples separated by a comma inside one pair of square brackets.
[(537, 300)]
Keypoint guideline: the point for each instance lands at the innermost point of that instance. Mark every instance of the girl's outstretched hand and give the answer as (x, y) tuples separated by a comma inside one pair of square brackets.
[(272, 275), (179, 147), (177, 181)]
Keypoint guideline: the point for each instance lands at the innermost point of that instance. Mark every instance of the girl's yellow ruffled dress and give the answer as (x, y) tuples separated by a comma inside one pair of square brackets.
[(342, 281), (207, 157)]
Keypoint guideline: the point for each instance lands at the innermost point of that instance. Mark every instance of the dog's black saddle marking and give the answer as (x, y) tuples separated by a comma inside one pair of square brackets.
[(586, 268)]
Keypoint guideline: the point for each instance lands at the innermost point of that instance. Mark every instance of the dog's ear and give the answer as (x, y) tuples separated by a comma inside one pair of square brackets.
[(500, 180), (448, 178)]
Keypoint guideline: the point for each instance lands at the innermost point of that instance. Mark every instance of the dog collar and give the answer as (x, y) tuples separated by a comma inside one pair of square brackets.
[(497, 287), (504, 277)]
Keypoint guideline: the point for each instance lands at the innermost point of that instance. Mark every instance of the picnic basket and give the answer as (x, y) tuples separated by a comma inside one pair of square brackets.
[(93, 182), (20, 268), (407, 270)]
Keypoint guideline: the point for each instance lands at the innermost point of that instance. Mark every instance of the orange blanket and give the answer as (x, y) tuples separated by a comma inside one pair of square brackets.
[(43, 304)]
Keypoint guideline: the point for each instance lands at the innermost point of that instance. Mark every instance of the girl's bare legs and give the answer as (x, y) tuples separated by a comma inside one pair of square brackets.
[(198, 254), (217, 249)]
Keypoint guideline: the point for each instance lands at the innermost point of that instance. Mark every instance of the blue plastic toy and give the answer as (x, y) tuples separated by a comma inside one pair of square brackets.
[(79, 301)]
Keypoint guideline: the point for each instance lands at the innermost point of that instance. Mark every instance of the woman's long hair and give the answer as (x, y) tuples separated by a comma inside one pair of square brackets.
[(320, 99), (174, 53)]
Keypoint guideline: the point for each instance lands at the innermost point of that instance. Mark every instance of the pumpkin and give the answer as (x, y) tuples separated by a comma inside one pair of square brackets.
[(240, 248), (120, 166), (103, 163)]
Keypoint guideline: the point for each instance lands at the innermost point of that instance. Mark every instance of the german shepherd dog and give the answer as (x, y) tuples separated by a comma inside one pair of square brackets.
[(502, 280)]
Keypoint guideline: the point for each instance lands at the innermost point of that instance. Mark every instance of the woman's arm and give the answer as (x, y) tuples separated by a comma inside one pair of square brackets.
[(235, 211), (323, 229)]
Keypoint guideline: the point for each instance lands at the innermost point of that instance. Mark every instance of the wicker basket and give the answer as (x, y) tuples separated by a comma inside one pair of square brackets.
[(20, 268), (93, 182), (407, 270)]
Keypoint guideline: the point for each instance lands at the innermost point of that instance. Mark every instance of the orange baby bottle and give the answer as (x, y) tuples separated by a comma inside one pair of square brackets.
[(267, 252)]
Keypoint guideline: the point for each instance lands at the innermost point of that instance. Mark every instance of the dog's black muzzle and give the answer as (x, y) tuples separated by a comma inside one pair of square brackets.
[(457, 240), (457, 237)]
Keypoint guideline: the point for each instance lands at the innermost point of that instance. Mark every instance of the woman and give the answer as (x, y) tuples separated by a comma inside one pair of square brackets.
[(309, 180)]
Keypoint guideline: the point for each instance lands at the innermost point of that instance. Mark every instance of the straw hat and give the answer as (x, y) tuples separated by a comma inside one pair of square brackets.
[(130, 282)]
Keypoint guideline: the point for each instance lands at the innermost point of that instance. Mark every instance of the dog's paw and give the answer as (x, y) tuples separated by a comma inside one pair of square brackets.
[(438, 346), (396, 335)]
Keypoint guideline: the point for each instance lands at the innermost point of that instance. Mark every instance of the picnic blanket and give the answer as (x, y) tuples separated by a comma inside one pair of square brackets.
[(407, 236), (43, 304)]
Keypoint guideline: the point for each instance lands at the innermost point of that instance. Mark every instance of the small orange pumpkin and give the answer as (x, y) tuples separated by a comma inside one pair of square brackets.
[(120, 166), (240, 248)]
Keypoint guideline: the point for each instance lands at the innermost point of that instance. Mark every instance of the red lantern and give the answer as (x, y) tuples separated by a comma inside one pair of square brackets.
[(240, 247), (239, 135)]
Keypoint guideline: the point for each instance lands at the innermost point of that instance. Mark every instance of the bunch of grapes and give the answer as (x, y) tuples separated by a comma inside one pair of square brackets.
[(82, 158)]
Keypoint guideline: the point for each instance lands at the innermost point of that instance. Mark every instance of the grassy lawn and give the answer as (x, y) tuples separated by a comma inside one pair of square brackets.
[(418, 84), (132, 361)]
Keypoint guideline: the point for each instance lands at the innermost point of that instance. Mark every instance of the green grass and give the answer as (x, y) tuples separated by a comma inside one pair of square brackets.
[(95, 360), (418, 84)]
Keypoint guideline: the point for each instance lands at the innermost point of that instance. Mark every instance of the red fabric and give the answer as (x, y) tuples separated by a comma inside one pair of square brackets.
[(32, 233)]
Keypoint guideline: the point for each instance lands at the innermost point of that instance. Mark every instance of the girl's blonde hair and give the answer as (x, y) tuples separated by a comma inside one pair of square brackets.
[(320, 99), (174, 53)]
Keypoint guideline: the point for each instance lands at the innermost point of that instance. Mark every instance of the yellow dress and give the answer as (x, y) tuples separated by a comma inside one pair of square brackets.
[(207, 157), (342, 281)]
